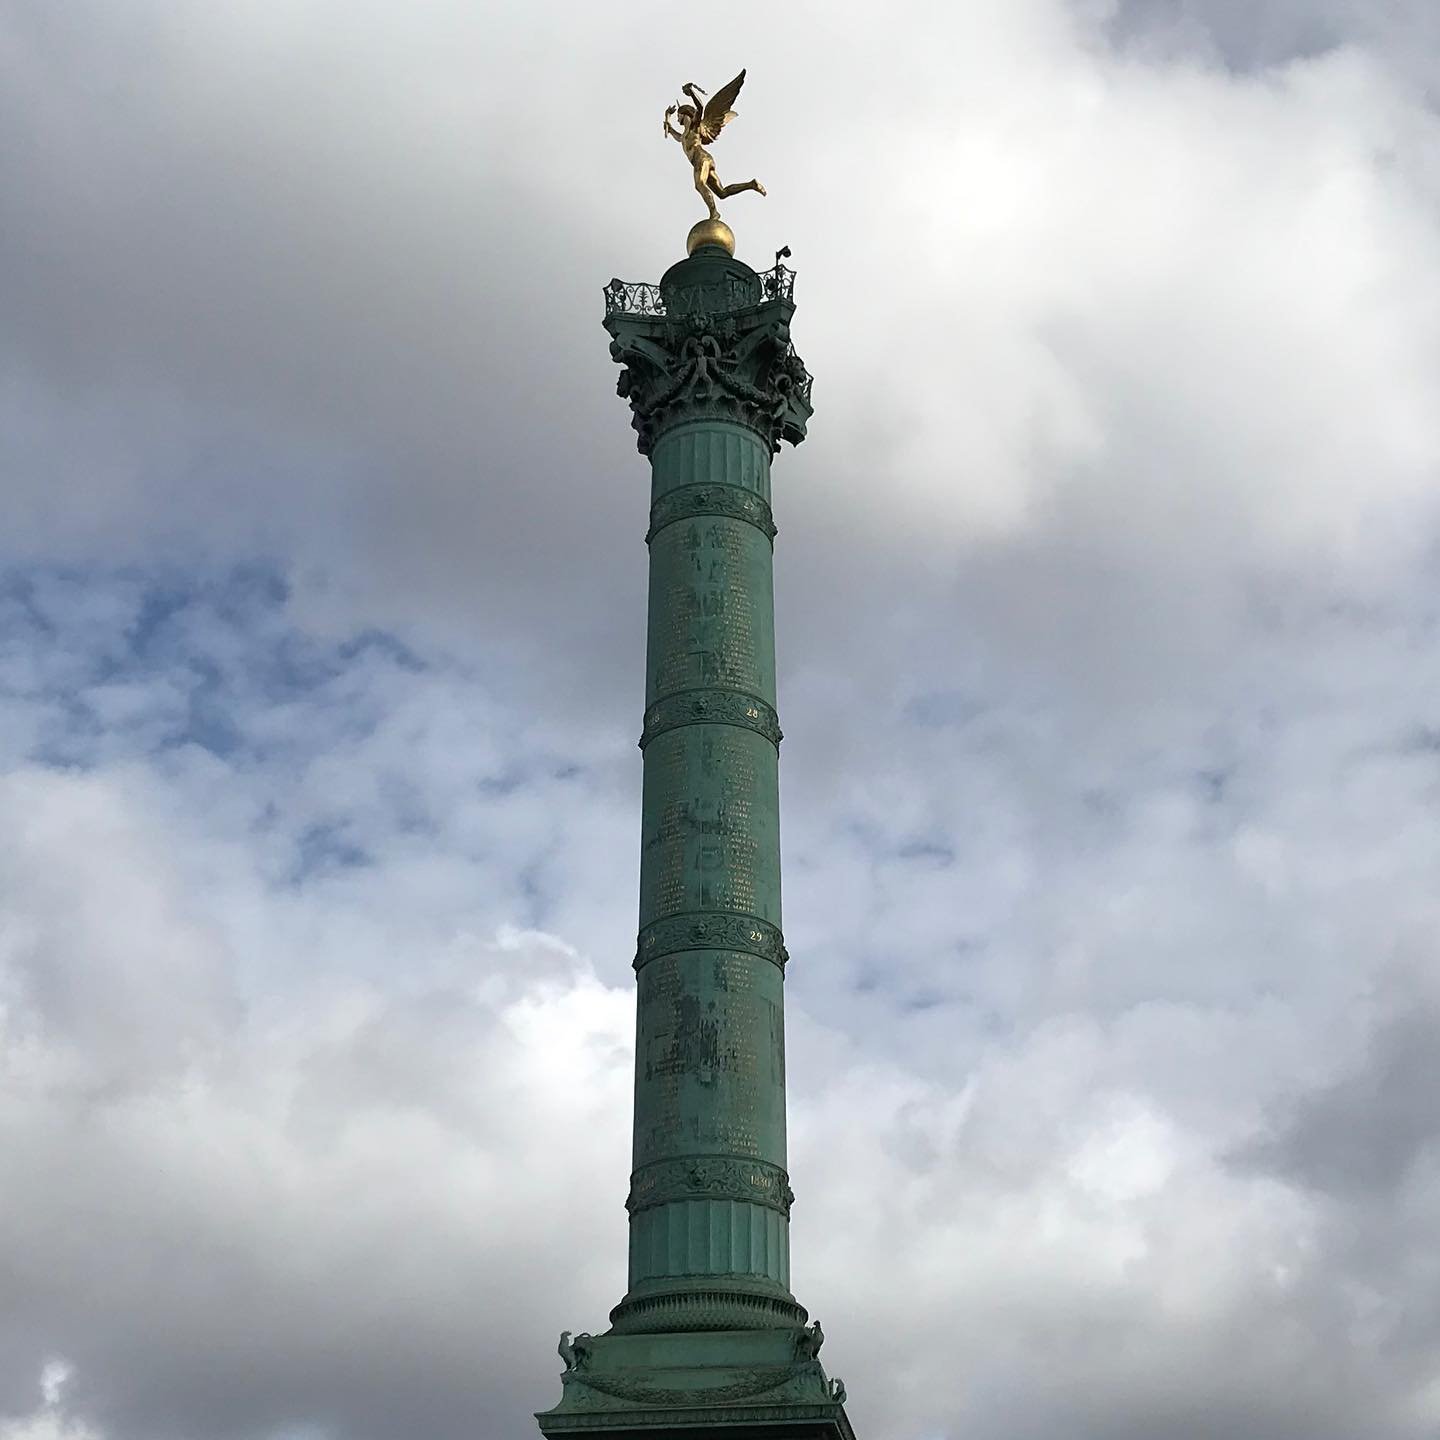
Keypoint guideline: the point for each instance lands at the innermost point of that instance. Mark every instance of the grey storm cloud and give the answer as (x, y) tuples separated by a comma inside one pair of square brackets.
[(1373, 1130), (1252, 37), (1106, 608)]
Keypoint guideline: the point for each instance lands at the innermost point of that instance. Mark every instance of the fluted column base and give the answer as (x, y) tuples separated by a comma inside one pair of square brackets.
[(710, 1237)]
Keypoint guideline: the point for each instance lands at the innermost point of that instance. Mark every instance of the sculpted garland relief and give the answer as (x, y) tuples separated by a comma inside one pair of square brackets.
[(711, 932), (758, 1381), (711, 707), (727, 500), (755, 1181)]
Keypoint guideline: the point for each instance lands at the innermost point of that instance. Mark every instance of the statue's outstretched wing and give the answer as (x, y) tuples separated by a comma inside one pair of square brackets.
[(718, 113)]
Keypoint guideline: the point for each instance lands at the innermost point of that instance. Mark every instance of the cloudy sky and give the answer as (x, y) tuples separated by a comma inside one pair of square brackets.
[(1110, 656)]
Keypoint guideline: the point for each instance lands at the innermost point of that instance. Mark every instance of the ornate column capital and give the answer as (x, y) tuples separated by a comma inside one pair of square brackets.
[(711, 341)]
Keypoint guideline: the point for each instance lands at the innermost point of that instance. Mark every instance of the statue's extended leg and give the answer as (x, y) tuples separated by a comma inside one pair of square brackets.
[(725, 191), (705, 183)]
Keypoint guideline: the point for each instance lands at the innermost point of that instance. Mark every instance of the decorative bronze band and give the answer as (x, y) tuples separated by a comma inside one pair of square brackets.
[(729, 501), (710, 1178), (711, 707), (723, 930)]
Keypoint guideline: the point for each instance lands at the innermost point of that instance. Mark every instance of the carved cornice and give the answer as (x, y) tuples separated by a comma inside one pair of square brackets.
[(711, 707), (721, 930), (729, 501), (712, 1178), (739, 367)]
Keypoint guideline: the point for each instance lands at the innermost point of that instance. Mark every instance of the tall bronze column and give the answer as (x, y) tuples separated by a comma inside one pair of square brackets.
[(708, 1338)]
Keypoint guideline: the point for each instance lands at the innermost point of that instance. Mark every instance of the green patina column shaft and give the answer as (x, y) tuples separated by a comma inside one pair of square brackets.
[(708, 1337), (710, 1197)]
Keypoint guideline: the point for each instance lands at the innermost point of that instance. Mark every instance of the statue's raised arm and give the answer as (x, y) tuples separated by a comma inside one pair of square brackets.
[(701, 124)]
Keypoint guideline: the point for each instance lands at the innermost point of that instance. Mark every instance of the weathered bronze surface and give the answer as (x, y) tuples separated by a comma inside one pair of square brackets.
[(708, 1337)]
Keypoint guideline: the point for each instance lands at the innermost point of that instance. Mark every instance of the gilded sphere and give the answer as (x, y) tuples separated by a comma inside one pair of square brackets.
[(710, 232)]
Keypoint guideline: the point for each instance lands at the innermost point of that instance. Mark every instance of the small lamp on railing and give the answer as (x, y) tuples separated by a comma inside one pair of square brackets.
[(774, 284)]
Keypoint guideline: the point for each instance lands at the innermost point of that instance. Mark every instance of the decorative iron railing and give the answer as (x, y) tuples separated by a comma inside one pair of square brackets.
[(778, 283), (638, 298), (633, 298)]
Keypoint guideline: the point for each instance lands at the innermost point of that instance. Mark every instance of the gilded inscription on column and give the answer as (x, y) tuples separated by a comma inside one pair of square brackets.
[(709, 626), (660, 991), (663, 857)]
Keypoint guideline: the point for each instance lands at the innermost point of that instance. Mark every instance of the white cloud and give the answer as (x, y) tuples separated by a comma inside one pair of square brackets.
[(335, 1173), (49, 1421), (353, 1153)]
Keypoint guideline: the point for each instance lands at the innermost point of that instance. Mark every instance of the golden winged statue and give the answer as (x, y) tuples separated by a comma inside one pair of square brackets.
[(701, 122)]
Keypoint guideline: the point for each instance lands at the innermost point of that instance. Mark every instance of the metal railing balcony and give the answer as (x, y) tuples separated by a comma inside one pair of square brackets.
[(624, 297)]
